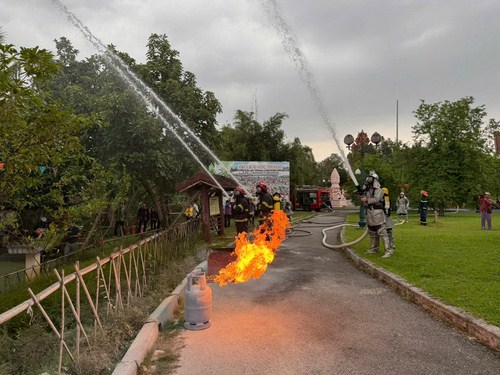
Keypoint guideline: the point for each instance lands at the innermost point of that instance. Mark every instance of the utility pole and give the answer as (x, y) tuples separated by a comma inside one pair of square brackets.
[(397, 119), (397, 114)]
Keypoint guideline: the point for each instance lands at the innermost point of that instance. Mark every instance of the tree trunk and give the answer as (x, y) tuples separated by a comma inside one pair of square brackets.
[(92, 230), (162, 214)]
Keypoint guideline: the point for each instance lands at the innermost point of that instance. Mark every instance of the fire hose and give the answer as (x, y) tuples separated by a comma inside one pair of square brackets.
[(347, 244), (342, 245)]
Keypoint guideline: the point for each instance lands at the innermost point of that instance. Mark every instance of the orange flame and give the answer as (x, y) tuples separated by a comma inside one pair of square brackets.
[(255, 251)]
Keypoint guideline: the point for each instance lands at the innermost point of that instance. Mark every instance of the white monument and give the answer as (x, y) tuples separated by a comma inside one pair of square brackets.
[(336, 194)]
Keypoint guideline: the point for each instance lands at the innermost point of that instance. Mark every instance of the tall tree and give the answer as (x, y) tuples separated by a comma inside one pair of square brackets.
[(453, 140), (130, 138)]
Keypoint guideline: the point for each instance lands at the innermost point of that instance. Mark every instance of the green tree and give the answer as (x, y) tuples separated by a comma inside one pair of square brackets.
[(451, 144), (326, 168), (38, 138), (130, 139), (303, 168), (247, 139), (163, 71)]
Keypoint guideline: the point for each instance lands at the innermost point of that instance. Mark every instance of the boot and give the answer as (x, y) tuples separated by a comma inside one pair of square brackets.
[(374, 244), (391, 238), (389, 250)]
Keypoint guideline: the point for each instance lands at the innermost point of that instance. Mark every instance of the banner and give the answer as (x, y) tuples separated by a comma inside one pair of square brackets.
[(275, 174)]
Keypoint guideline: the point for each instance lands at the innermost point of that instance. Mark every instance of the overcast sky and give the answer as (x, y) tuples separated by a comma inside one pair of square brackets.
[(363, 54)]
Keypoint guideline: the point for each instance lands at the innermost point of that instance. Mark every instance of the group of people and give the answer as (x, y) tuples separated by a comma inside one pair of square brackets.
[(244, 210), (144, 217), (377, 206), (378, 210)]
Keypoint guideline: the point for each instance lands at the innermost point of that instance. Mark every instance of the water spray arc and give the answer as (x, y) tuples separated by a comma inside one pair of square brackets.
[(290, 44), (150, 98)]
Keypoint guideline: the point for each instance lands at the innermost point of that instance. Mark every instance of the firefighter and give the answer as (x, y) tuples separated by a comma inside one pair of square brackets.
[(422, 207), (240, 210), (277, 204), (264, 203), (389, 223), (372, 197)]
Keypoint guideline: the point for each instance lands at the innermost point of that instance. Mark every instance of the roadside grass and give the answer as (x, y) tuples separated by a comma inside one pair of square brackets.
[(453, 260), (14, 296), (7, 267), (119, 329)]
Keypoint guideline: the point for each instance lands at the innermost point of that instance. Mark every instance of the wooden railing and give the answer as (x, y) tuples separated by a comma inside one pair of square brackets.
[(104, 286)]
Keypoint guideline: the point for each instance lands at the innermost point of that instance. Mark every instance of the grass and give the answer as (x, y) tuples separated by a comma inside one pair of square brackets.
[(453, 260), (34, 350), (7, 267)]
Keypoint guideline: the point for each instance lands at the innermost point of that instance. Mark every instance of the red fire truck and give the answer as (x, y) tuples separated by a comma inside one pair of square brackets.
[(309, 199)]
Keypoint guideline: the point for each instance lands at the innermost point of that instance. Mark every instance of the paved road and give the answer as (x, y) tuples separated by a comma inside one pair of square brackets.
[(313, 312)]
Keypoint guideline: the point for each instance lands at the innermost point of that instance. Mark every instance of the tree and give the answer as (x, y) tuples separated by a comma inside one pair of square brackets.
[(38, 138), (326, 167), (163, 71), (451, 142), (303, 167), (129, 137)]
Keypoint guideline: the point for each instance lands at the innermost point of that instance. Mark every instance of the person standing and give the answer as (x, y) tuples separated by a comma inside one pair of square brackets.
[(372, 197), (389, 223), (153, 217), (251, 212), (264, 203), (402, 205), (227, 213), (288, 209), (423, 206), (120, 220), (485, 205), (196, 210), (142, 218), (240, 210), (277, 204), (189, 212)]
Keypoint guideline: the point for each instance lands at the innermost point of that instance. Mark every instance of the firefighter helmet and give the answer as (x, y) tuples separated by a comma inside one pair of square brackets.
[(240, 189), (374, 175), (372, 180), (262, 185), (424, 193)]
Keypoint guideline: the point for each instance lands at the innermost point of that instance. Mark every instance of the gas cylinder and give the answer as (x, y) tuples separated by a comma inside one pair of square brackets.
[(197, 302)]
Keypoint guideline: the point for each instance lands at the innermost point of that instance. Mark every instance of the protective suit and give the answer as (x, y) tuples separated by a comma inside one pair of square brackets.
[(264, 203), (389, 223), (373, 199), (240, 210)]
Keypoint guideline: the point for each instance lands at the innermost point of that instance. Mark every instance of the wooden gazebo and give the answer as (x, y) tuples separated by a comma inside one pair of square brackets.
[(210, 198)]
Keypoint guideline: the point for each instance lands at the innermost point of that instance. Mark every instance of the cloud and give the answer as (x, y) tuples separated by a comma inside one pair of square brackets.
[(364, 54)]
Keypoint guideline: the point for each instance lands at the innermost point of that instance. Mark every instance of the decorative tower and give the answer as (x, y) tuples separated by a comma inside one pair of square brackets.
[(336, 195)]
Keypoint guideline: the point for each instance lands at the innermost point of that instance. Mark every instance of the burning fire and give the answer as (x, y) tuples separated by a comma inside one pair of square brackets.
[(255, 251)]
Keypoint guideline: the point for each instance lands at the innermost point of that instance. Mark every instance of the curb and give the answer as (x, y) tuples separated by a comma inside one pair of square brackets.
[(487, 334), (147, 336)]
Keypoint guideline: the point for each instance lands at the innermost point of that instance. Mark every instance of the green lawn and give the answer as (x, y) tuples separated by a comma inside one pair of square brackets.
[(453, 260)]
